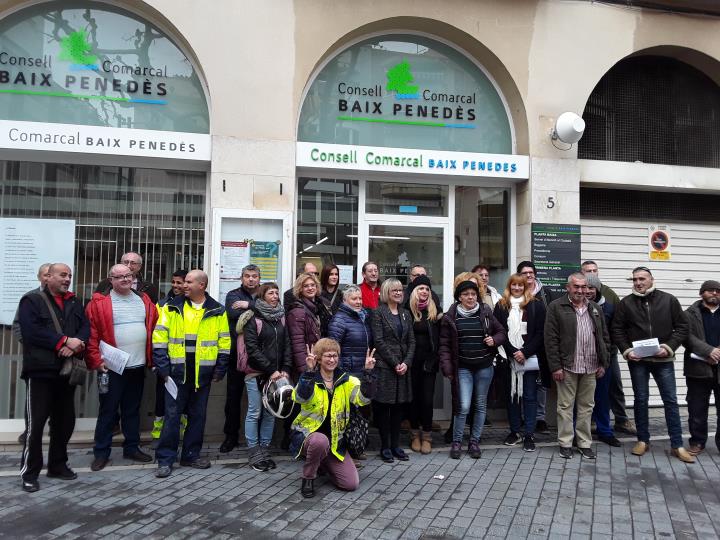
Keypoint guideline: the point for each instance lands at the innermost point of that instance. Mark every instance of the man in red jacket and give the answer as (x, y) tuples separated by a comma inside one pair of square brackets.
[(370, 286), (122, 318)]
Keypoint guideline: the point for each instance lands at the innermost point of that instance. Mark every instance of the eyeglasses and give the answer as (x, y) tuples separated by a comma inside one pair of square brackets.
[(309, 286), (133, 263), (396, 290), (330, 355), (122, 278), (530, 273)]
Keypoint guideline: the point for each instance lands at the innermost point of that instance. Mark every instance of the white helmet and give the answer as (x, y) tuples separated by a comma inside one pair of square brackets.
[(277, 397)]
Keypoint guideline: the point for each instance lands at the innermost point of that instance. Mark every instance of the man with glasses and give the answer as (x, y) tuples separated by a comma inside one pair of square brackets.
[(702, 354), (645, 314), (133, 261), (123, 318), (492, 296)]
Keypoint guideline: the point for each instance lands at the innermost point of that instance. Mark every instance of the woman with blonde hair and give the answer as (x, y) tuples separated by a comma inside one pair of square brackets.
[(523, 318), (395, 345), (426, 328)]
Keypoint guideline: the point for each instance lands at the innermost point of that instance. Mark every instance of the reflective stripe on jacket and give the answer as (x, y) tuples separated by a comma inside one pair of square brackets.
[(212, 348), (311, 394)]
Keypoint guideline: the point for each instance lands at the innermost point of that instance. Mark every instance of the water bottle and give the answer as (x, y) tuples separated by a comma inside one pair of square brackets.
[(103, 381)]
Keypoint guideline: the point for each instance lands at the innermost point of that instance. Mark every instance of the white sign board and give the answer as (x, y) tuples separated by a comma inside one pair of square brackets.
[(25, 244), (103, 140), (346, 276), (406, 160)]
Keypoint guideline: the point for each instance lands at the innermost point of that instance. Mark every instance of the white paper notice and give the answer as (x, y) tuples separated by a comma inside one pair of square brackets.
[(25, 245), (646, 347), (697, 357), (346, 274), (171, 387), (114, 358)]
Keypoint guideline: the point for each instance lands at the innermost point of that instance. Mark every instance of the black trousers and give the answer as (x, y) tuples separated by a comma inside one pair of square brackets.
[(698, 401), (421, 408), (54, 399), (233, 398), (159, 396), (388, 418)]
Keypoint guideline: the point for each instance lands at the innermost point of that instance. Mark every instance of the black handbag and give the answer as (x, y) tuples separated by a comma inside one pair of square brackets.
[(73, 368), (356, 432)]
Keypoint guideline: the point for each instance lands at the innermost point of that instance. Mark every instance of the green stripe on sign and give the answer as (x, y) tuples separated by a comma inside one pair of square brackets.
[(383, 121)]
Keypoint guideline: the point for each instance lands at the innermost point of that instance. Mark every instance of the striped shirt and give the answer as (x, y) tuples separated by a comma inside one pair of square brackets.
[(585, 360), (472, 351)]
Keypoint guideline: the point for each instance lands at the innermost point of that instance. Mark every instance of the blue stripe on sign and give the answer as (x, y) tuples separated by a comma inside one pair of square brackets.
[(151, 101), (463, 126), (408, 209)]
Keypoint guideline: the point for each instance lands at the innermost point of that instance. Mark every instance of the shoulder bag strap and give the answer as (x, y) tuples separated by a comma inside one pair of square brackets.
[(52, 312)]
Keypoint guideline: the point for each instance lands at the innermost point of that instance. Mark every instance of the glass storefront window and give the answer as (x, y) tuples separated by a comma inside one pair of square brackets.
[(157, 213), (482, 231), (409, 199), (327, 222)]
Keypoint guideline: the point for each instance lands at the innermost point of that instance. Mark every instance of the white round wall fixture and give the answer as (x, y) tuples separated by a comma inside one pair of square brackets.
[(569, 128)]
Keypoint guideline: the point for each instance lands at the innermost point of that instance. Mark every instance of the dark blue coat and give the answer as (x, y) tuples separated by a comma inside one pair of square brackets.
[(354, 336)]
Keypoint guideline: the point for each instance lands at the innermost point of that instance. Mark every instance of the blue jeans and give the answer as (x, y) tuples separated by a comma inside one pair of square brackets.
[(194, 403), (257, 416), (529, 404), (124, 392), (601, 412), (664, 375), (471, 383)]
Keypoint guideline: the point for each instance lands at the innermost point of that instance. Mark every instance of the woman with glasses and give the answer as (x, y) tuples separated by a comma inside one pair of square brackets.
[(330, 291), (325, 394), (395, 345)]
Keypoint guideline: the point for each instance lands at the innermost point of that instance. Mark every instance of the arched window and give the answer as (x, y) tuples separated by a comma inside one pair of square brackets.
[(653, 109)]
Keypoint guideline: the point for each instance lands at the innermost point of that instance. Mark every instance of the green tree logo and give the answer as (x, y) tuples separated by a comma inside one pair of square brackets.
[(399, 78), (76, 49)]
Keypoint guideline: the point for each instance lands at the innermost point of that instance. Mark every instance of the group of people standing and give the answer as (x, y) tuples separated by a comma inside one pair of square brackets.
[(327, 359)]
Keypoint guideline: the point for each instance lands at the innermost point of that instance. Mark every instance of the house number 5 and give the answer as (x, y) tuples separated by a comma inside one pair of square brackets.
[(551, 202)]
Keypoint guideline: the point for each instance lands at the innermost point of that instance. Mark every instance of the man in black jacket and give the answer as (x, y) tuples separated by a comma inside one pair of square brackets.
[(48, 394), (133, 261), (237, 302), (702, 354), (645, 314)]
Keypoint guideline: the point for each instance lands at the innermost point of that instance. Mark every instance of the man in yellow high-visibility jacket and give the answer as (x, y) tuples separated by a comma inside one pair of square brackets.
[(191, 346)]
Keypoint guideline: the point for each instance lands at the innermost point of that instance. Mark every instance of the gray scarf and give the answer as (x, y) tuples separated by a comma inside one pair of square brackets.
[(268, 312)]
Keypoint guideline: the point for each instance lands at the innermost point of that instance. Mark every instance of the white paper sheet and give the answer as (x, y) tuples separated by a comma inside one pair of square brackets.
[(697, 357), (114, 358), (171, 387), (646, 347)]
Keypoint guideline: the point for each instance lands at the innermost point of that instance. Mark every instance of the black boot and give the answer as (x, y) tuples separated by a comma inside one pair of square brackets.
[(307, 489)]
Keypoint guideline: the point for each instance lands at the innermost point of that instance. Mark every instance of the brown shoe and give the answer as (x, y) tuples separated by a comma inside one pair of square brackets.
[(426, 446), (415, 440), (640, 448), (683, 455), (695, 449)]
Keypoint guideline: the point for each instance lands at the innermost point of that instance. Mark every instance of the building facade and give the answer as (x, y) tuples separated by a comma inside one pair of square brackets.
[(214, 134)]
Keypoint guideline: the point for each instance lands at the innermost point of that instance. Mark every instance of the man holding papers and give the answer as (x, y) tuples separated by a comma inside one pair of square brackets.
[(121, 326), (702, 353), (644, 315), (191, 348)]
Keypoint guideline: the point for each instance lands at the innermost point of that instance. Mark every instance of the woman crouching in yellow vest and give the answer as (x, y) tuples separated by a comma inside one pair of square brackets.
[(325, 394)]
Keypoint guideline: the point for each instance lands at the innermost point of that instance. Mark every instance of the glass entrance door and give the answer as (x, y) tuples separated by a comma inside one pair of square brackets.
[(397, 248)]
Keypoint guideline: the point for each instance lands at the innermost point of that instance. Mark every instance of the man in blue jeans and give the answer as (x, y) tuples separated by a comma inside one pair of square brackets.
[(650, 313)]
